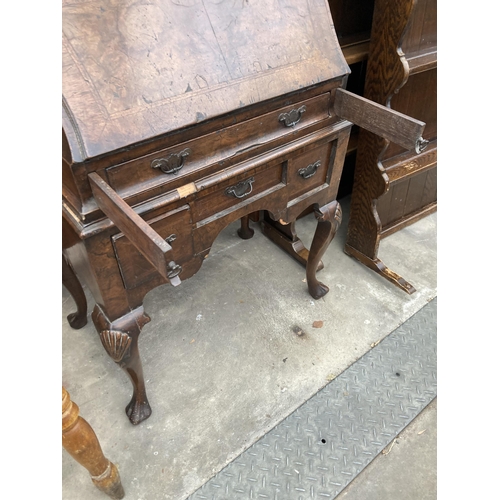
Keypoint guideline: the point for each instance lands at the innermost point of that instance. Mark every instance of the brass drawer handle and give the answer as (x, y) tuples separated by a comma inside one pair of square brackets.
[(172, 163), (293, 117), (310, 170), (241, 189)]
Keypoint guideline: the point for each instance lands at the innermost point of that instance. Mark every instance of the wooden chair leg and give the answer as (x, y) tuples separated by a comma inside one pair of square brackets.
[(80, 441)]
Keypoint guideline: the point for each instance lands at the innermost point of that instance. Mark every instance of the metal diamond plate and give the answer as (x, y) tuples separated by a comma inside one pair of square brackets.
[(322, 446)]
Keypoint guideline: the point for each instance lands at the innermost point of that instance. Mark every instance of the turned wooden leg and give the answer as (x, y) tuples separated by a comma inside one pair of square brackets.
[(72, 284), (120, 338), (329, 219), (80, 441), (245, 232)]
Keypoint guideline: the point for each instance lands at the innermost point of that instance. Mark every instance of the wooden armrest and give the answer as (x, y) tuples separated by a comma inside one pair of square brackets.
[(147, 241), (381, 120)]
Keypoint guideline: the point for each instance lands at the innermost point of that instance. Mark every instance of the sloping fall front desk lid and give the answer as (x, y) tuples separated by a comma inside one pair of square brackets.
[(133, 70)]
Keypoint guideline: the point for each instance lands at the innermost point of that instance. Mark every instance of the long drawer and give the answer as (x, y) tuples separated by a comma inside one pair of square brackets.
[(174, 165), (231, 192)]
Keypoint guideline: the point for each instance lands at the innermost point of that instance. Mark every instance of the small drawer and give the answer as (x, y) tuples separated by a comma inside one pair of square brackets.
[(175, 164), (175, 227), (234, 191), (310, 170)]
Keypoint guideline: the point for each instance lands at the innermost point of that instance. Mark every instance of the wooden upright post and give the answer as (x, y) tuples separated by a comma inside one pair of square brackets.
[(80, 441)]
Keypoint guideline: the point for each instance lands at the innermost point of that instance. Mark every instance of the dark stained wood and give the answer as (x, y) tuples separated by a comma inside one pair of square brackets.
[(422, 62), (144, 183), (421, 34), (424, 86), (149, 243), (215, 148), (408, 220), (120, 339), (394, 187), (429, 196), (80, 441), (352, 20), (399, 192), (175, 228), (222, 192), (375, 264), (370, 183), (329, 219), (413, 201), (78, 319), (407, 164), (356, 53), (285, 236), (135, 75), (382, 121), (245, 232), (180, 118)]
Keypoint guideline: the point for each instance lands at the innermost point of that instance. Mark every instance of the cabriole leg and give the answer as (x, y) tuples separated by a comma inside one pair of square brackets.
[(78, 319), (120, 338), (329, 219)]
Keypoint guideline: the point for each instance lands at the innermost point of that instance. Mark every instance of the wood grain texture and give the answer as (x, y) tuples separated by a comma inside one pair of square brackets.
[(120, 339), (392, 185), (216, 148), (80, 441), (421, 35), (214, 144), (123, 76), (380, 120), (179, 118), (70, 281), (417, 98), (329, 219), (352, 20), (149, 243)]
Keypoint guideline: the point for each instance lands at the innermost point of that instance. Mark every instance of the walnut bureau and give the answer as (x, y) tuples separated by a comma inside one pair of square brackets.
[(181, 117)]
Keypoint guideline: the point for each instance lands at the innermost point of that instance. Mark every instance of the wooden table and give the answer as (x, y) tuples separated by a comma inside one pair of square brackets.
[(182, 117)]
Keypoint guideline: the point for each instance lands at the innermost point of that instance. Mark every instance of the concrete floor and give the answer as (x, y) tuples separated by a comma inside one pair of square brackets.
[(224, 366)]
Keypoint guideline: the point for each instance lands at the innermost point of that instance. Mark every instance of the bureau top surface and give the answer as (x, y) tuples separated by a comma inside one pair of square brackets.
[(134, 70)]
